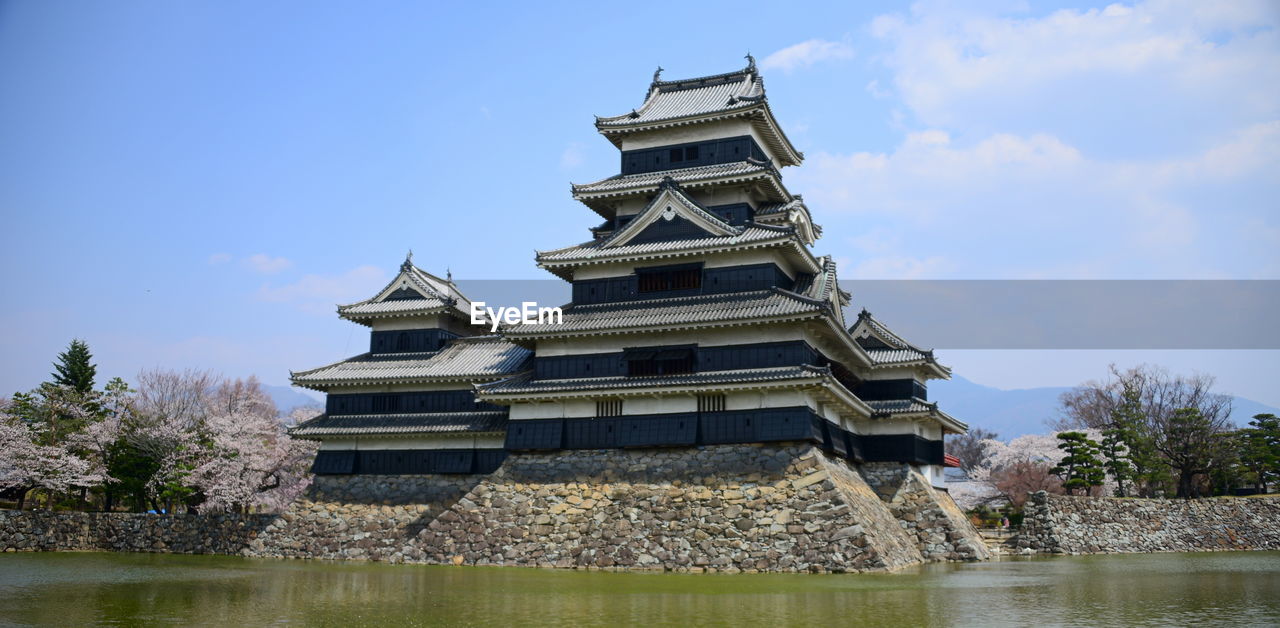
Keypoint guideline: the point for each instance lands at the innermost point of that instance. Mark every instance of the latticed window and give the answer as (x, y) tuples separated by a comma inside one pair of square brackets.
[(710, 403), (609, 407), (669, 279), (670, 361)]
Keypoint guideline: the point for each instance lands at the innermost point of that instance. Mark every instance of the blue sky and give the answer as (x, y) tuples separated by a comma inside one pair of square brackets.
[(196, 184)]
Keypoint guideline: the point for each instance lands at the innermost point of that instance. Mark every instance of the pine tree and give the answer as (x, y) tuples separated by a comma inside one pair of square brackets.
[(1132, 428), (74, 368), (1191, 446), (1116, 458), (1260, 448), (1080, 467)]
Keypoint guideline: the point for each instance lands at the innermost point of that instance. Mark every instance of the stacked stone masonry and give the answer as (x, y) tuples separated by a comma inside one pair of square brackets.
[(1090, 525), (726, 508)]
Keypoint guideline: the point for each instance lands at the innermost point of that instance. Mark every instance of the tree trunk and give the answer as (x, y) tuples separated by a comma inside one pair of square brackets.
[(1184, 484), (22, 497)]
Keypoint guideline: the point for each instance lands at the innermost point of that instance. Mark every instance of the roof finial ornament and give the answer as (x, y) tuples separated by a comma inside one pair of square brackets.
[(657, 74), (751, 62), (408, 261), (448, 274)]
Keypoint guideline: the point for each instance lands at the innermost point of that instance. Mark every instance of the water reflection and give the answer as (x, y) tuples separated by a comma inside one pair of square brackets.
[(1156, 590)]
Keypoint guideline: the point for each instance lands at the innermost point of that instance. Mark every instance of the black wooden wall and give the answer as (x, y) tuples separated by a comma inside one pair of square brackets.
[(716, 428), (725, 358), (409, 340), (721, 280), (408, 402), (407, 461), (705, 153), (891, 389)]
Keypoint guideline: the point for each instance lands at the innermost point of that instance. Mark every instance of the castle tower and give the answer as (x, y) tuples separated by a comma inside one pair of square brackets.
[(700, 315), (407, 405)]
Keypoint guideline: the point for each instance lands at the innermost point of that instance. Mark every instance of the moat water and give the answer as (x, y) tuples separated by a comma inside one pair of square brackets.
[(1119, 590)]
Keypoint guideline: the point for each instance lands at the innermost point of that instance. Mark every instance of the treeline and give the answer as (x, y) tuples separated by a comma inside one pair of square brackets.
[(178, 441), (1141, 432)]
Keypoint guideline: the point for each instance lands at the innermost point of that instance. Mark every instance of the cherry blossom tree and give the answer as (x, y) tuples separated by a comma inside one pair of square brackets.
[(1022, 465), (25, 464), (246, 460)]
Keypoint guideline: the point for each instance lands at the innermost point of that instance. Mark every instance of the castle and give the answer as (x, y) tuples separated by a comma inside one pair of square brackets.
[(700, 320)]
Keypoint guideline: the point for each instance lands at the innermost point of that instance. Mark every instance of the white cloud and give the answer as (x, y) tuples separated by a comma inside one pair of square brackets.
[(1034, 206), (219, 258), (805, 54), (572, 157), (1195, 68), (265, 264), (320, 293)]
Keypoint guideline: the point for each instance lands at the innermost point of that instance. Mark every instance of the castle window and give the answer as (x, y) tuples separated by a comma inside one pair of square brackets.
[(710, 403), (670, 361), (691, 153), (688, 278), (611, 407), (677, 154), (386, 403)]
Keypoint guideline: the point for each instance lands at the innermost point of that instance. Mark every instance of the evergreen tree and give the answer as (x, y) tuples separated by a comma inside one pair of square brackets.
[(1259, 447), (1191, 447), (1116, 459), (1080, 467), (74, 368)]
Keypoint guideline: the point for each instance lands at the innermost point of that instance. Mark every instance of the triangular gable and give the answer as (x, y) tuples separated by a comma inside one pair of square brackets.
[(672, 214), (414, 283), (871, 334)]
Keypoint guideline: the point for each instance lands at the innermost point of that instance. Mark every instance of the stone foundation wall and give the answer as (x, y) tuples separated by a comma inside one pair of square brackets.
[(930, 516), (725, 508), (1088, 525), (128, 532)]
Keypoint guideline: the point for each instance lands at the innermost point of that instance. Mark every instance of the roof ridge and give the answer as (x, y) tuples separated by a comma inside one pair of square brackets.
[(674, 187), (293, 374)]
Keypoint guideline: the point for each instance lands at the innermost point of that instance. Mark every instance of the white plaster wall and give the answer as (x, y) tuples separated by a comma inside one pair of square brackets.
[(586, 408), (408, 322), (705, 338), (423, 387), (414, 442), (884, 426)]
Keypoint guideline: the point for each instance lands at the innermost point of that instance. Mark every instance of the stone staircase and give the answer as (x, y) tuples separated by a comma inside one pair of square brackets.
[(1001, 542)]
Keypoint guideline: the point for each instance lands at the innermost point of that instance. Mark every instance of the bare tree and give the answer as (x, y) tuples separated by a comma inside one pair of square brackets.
[(1163, 426), (968, 447)]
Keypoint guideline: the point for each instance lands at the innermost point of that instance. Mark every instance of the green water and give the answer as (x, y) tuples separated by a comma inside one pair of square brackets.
[(133, 589)]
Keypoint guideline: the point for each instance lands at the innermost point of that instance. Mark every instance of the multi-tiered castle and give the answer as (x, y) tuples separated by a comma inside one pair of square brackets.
[(700, 317)]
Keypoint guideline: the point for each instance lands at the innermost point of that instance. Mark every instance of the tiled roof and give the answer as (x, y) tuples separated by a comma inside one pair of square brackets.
[(392, 307), (780, 208), (884, 408), (751, 234), (739, 94), (525, 384), (675, 312), (422, 423), (463, 358), (621, 184), (436, 294), (894, 356), (668, 100), (885, 347), (901, 406)]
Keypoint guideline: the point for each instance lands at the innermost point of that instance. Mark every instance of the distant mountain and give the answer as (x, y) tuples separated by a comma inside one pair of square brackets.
[(288, 397), (1012, 413)]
